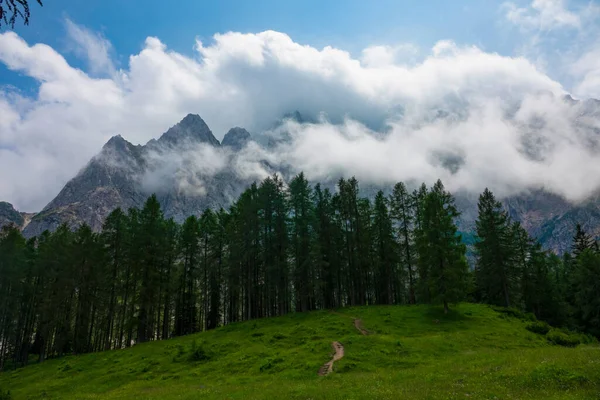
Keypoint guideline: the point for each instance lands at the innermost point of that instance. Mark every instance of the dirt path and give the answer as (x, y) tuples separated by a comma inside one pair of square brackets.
[(339, 353), (358, 325)]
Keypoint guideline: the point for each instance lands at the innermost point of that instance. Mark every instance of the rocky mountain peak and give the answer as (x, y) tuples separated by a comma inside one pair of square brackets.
[(192, 128), (117, 143), (236, 138), (8, 215)]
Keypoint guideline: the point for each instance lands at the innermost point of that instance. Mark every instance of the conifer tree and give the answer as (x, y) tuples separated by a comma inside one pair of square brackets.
[(586, 282), (385, 252), (114, 242), (150, 241), (300, 194), (186, 315), (444, 254), (497, 275), (402, 213), (581, 241)]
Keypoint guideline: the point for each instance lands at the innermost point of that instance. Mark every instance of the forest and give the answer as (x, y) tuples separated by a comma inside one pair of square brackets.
[(280, 248)]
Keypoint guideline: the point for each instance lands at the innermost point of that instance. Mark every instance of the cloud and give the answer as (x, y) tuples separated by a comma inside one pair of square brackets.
[(485, 148), (561, 40), (542, 15), (385, 118), (382, 56), (588, 66), (93, 46)]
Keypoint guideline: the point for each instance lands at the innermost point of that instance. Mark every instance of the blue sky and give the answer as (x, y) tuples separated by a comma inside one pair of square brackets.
[(350, 25), (83, 71)]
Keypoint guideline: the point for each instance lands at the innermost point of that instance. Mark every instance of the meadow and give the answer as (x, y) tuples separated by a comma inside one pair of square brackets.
[(411, 352)]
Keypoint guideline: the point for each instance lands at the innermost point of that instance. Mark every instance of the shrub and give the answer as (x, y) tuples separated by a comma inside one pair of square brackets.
[(515, 313), (271, 364), (198, 353), (562, 339), (538, 327), (64, 368)]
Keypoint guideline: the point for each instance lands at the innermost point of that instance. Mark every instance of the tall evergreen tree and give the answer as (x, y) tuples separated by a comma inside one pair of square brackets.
[(186, 312), (402, 213), (301, 209), (150, 242), (385, 251), (497, 275), (444, 255), (581, 241), (586, 280)]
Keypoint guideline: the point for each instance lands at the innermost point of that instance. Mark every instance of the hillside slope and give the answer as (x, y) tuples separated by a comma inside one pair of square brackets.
[(410, 352)]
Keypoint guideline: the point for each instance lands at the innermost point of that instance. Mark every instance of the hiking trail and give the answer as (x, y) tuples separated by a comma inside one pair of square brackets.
[(339, 353), (358, 325), (327, 368)]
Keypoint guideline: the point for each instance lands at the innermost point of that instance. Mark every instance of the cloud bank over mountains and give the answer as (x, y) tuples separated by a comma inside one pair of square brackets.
[(470, 117)]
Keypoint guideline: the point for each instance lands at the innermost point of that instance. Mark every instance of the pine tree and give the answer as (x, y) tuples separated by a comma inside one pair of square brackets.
[(581, 241), (150, 242), (114, 241), (402, 213), (586, 280), (325, 255), (186, 315), (87, 262), (12, 266), (301, 209), (385, 252), (497, 275), (444, 254), (419, 198)]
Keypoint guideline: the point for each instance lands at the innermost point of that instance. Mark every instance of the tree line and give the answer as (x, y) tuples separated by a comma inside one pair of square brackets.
[(278, 249)]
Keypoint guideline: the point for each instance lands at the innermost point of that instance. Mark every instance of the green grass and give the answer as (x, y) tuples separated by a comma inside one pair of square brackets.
[(474, 352)]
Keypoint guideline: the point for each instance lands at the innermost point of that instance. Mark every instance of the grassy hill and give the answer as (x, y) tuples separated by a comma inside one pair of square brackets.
[(412, 352)]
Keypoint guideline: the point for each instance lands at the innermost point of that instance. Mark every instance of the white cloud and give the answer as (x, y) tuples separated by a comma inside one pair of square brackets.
[(562, 39), (542, 15), (383, 56), (588, 67), (93, 46), (251, 80)]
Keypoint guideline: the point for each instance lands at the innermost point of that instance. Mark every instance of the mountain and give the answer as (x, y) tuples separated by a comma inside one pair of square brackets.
[(10, 216), (192, 129), (237, 138), (189, 171), (124, 175)]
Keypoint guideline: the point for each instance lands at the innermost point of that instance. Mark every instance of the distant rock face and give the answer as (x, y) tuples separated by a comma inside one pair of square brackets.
[(237, 138), (8, 215), (191, 129), (124, 175)]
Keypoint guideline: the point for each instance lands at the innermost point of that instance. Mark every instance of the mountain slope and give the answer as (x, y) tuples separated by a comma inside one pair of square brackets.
[(124, 175), (107, 182), (8, 215), (413, 352)]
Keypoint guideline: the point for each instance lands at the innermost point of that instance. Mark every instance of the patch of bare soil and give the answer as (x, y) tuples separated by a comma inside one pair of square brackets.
[(337, 355)]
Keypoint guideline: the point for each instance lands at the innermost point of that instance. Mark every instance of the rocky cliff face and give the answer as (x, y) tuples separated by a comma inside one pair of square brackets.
[(8, 215), (124, 175), (189, 171)]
